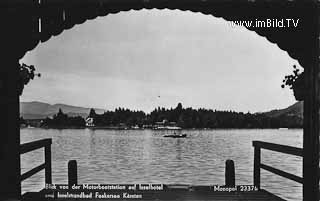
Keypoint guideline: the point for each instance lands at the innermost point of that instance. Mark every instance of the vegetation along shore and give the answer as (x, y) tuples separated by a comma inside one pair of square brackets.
[(173, 118)]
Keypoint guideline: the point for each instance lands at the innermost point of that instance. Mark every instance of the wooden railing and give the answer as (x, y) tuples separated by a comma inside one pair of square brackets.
[(258, 145), (30, 146)]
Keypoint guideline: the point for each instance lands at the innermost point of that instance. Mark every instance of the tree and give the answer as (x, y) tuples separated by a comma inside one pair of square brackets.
[(60, 113), (27, 73), (61, 120), (295, 82), (179, 107), (22, 121), (92, 113)]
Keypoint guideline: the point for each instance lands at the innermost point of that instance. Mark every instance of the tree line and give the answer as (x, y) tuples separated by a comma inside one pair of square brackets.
[(61, 120), (182, 117)]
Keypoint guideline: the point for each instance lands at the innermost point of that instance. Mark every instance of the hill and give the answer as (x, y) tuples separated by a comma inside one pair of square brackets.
[(40, 110), (293, 110)]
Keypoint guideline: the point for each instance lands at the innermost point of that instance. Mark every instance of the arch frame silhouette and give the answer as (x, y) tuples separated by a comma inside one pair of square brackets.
[(47, 18), (26, 23)]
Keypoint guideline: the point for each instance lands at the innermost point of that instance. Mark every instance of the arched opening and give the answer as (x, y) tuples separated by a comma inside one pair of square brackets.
[(146, 59), (207, 52)]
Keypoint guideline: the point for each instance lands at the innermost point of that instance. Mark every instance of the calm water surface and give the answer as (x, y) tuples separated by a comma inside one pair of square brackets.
[(144, 156)]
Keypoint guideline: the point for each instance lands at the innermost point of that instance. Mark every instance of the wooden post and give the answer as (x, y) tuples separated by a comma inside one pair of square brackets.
[(256, 166), (311, 111), (47, 158), (230, 174), (72, 173), (10, 185)]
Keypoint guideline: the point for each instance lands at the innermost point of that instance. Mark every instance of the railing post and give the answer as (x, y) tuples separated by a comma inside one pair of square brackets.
[(72, 173), (230, 174), (256, 166), (47, 158)]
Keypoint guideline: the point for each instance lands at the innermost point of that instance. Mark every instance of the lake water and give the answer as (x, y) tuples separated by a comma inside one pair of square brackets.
[(144, 156)]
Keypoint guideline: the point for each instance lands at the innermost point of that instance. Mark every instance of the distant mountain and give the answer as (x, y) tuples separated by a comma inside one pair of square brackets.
[(40, 110), (293, 110)]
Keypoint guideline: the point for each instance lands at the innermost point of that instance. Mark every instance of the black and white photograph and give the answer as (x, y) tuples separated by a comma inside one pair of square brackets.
[(185, 100)]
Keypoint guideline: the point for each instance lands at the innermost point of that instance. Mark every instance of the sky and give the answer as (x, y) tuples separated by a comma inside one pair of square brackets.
[(149, 58)]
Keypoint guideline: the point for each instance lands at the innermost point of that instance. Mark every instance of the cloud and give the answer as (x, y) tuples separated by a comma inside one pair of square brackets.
[(129, 59)]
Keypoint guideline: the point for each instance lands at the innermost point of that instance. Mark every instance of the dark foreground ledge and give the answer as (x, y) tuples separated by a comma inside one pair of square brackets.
[(168, 192)]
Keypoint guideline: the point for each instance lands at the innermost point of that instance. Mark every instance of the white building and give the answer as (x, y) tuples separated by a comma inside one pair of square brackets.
[(89, 122)]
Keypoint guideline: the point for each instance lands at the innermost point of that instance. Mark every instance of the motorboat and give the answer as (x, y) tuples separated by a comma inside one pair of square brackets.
[(176, 135)]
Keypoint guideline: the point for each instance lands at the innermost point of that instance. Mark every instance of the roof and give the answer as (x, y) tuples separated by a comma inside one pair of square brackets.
[(59, 15)]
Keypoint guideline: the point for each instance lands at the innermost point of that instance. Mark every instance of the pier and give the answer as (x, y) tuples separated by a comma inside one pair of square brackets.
[(227, 191), (25, 24)]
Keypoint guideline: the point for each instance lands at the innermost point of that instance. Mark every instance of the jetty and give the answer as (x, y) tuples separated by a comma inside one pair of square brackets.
[(28, 23), (227, 191)]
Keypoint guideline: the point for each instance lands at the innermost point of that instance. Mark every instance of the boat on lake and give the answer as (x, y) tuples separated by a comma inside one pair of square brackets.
[(176, 135)]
